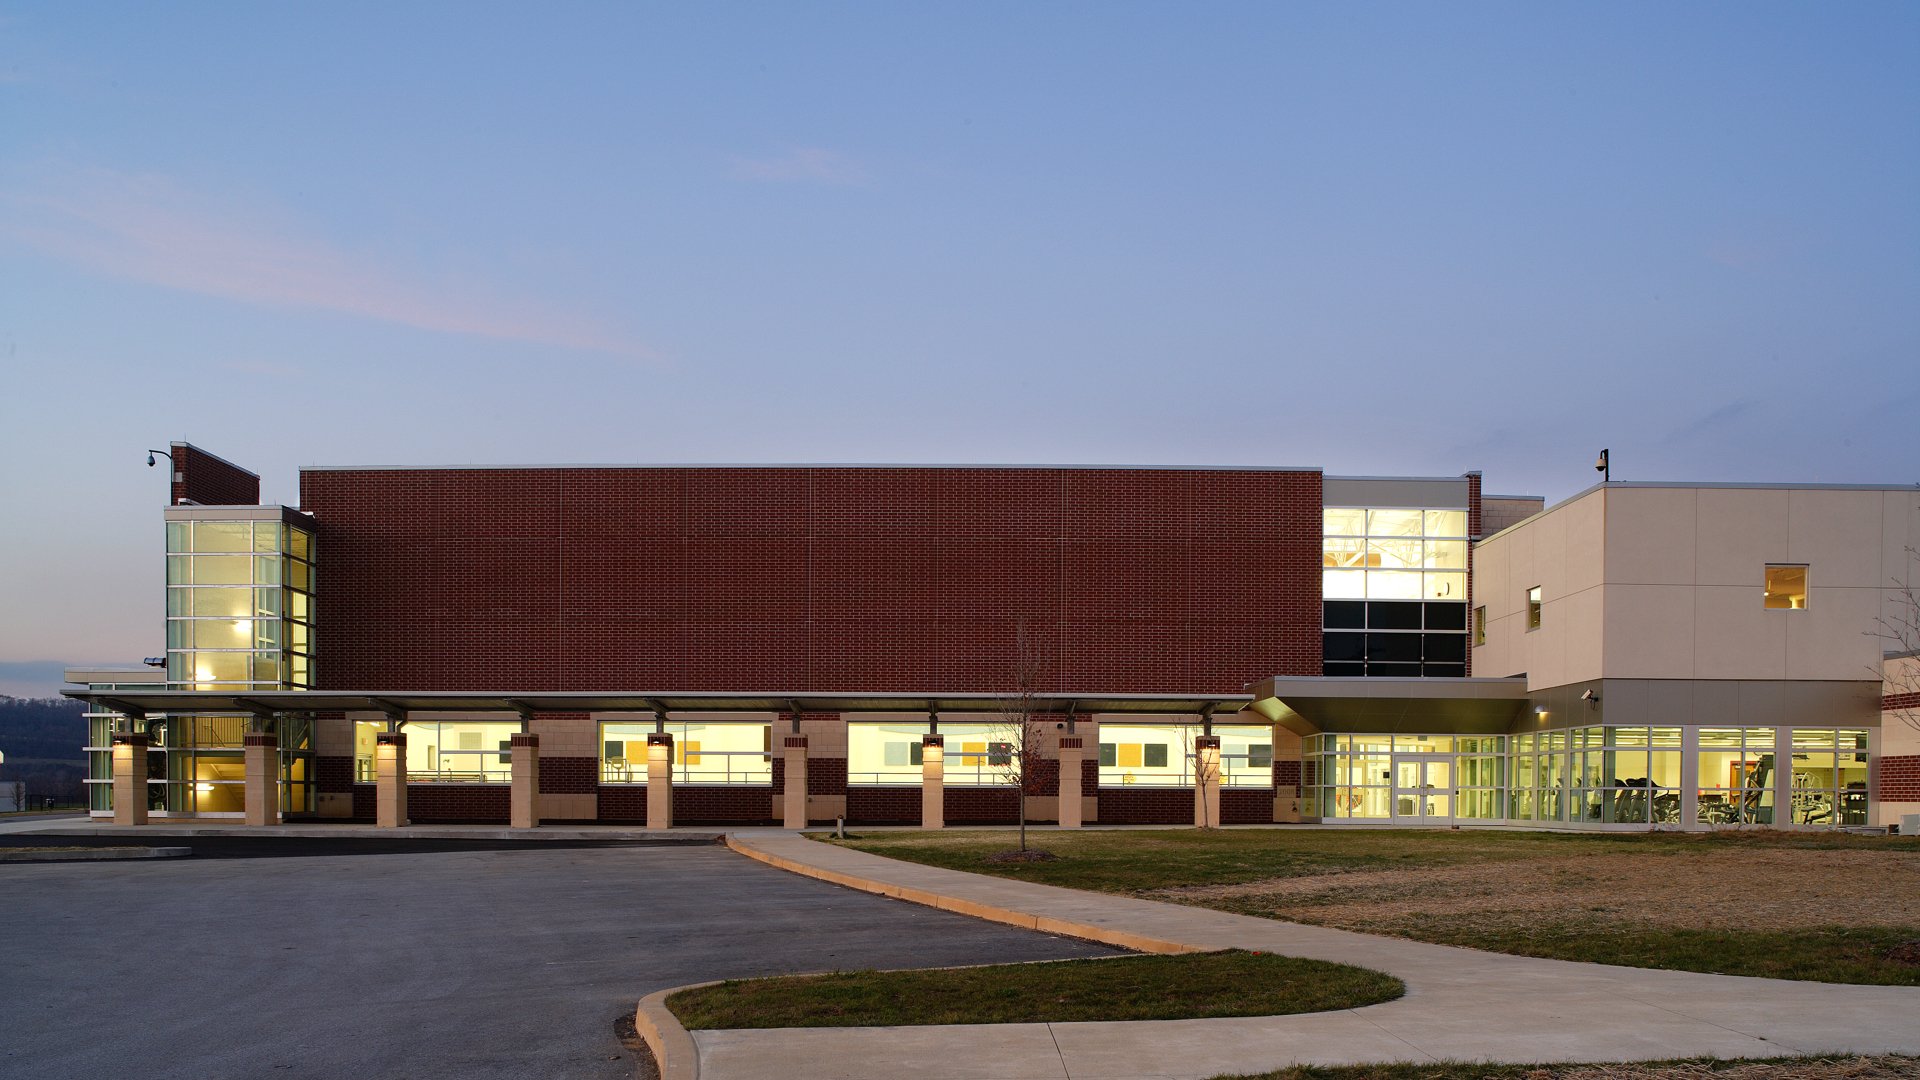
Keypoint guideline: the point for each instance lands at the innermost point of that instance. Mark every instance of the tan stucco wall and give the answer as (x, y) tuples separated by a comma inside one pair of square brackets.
[(1666, 583)]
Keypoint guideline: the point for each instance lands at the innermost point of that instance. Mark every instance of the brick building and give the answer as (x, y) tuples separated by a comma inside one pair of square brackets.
[(748, 644)]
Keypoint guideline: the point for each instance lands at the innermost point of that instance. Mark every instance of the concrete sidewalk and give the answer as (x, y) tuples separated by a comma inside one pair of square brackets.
[(1460, 1004)]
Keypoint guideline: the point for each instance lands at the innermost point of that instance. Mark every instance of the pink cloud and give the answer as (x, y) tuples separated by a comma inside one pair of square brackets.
[(148, 229)]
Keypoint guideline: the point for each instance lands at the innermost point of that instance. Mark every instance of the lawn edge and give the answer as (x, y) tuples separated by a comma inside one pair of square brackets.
[(1105, 935), (674, 1051)]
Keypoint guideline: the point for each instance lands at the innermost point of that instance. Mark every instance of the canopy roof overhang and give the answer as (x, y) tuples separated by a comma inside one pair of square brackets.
[(1308, 705), (398, 702)]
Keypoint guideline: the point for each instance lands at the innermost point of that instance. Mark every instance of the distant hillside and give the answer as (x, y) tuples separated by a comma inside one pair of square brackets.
[(41, 738)]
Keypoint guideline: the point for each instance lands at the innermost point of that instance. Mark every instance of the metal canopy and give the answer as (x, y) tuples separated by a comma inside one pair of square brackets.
[(1308, 705), (518, 702)]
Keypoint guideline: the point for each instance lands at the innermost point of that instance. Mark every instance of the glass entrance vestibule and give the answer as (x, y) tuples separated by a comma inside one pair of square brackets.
[(1597, 777)]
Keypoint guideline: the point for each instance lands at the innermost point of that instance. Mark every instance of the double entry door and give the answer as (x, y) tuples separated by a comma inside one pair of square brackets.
[(1423, 789)]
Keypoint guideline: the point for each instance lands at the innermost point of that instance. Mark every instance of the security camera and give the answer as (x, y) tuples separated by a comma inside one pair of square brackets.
[(1586, 695), (150, 461)]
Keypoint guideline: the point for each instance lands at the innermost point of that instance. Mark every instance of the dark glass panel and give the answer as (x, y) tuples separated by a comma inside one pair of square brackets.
[(1338, 647), (1446, 616), (1393, 615), (1332, 668), (1344, 614), (1393, 647), (1391, 670), (1445, 671), (1446, 648)]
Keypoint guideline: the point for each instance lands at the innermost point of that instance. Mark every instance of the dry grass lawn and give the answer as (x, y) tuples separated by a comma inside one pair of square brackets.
[(1821, 906)]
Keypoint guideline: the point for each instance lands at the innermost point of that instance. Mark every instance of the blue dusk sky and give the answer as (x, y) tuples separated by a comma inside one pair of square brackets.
[(1377, 238)]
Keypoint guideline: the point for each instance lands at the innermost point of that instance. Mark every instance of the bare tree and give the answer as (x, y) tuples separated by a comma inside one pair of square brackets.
[(1899, 628), (1017, 737)]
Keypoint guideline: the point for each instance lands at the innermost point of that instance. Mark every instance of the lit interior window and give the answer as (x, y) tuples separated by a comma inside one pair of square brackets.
[(1533, 608), (1786, 587)]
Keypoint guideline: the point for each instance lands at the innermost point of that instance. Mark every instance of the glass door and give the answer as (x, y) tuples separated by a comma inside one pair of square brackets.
[(1423, 789)]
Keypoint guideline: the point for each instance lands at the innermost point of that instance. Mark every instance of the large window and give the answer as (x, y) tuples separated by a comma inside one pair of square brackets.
[(717, 752), (1162, 755), (1736, 776), (1394, 554), (239, 605), (1394, 586), (1624, 775), (444, 751), (974, 754), (1829, 778)]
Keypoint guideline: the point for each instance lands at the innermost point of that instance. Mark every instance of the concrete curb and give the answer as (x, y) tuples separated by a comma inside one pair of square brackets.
[(111, 854), (673, 1048), (1105, 935)]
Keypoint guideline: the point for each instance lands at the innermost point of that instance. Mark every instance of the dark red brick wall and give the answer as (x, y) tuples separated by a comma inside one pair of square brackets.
[(366, 802), (569, 775), (825, 775), (981, 806), (1899, 702), (625, 803), (1147, 806), (1286, 774), (717, 804), (1243, 806), (485, 804), (816, 579), (333, 775), (1900, 779), (201, 478), (889, 805), (693, 804)]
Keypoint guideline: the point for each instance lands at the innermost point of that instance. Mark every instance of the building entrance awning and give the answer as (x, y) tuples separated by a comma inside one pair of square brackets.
[(400, 701), (1308, 705)]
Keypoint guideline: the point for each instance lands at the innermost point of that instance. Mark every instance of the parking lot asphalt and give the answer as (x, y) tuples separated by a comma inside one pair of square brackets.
[(506, 963)]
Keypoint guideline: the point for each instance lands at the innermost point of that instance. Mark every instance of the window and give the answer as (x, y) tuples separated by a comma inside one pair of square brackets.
[(1162, 755), (721, 752), (1786, 587), (1480, 625), (1533, 608)]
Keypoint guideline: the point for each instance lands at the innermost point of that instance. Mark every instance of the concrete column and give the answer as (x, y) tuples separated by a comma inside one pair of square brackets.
[(1071, 749), (390, 778), (261, 751), (1206, 787), (130, 778), (933, 782), (793, 803), (659, 781), (525, 798), (1690, 779)]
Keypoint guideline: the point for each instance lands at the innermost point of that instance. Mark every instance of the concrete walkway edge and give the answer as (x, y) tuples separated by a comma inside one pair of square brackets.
[(1460, 1005), (674, 1052), (1026, 920)]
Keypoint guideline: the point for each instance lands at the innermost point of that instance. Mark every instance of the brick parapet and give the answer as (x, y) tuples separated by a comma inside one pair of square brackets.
[(205, 480), (816, 579)]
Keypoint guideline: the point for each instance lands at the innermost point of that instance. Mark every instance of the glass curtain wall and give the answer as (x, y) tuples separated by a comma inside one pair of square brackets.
[(1394, 592), (1829, 777), (1736, 776), (239, 606)]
